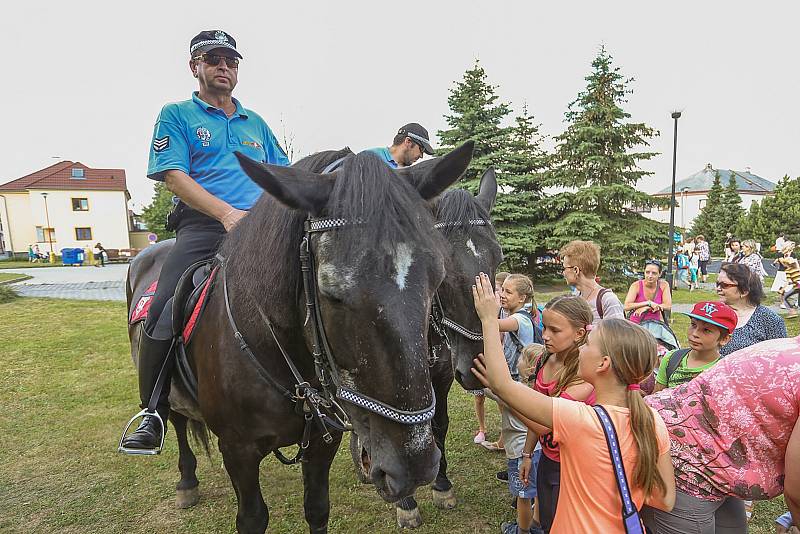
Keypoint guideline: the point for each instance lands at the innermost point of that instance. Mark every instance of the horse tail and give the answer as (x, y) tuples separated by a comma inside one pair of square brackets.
[(200, 434)]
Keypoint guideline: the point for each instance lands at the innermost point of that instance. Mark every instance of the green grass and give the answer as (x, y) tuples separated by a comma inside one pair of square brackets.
[(20, 264), (67, 386), (8, 277)]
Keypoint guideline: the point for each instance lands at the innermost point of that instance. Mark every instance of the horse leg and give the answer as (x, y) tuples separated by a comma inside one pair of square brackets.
[(187, 493), (443, 495), (316, 473), (408, 515), (241, 463)]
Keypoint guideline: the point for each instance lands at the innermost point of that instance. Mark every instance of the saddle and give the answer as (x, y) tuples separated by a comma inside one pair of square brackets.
[(184, 308)]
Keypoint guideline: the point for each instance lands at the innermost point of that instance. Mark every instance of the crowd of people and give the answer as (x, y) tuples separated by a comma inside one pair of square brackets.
[(716, 429)]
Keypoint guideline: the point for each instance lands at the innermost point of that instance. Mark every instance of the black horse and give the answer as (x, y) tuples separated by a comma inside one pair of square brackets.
[(454, 333), (367, 232)]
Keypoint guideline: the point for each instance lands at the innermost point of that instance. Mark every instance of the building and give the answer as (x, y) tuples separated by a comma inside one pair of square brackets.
[(66, 205), (691, 193)]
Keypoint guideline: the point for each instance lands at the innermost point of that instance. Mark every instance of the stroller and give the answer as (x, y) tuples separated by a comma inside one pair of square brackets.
[(666, 340)]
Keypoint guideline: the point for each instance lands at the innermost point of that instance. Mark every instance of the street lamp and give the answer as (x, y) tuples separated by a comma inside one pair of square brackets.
[(683, 209), (49, 233), (675, 115)]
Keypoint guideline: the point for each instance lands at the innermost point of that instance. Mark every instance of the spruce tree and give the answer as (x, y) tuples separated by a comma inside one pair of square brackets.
[(730, 213), (776, 214), (597, 161), (514, 151), (705, 223), (155, 215)]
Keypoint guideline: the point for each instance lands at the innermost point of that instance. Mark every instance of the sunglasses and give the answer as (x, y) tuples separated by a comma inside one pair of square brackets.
[(725, 285), (214, 60)]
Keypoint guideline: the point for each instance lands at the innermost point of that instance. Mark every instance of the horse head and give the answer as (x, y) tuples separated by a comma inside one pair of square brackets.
[(377, 265)]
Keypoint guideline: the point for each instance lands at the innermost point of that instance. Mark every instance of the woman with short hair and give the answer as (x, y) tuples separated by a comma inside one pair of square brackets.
[(581, 261), (740, 288), (752, 259)]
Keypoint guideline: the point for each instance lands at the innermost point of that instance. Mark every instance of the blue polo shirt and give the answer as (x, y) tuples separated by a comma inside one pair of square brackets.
[(385, 155), (199, 139)]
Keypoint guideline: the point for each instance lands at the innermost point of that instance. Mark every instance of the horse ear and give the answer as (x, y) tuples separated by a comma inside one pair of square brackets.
[(432, 177), (293, 187), (487, 191)]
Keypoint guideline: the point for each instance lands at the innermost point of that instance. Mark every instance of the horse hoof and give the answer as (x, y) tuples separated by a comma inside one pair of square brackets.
[(444, 500), (187, 498), (408, 518)]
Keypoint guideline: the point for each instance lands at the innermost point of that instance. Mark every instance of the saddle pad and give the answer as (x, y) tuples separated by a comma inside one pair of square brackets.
[(198, 308), (139, 312)]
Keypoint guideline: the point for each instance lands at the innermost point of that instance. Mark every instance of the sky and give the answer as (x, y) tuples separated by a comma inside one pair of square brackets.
[(86, 80)]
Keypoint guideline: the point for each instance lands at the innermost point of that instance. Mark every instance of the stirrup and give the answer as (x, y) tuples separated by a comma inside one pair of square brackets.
[(128, 450)]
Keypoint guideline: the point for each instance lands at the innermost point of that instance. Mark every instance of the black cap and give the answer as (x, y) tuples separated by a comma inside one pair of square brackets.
[(418, 134), (210, 40)]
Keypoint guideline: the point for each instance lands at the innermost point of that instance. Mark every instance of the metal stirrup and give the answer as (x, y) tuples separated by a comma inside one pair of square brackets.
[(129, 450)]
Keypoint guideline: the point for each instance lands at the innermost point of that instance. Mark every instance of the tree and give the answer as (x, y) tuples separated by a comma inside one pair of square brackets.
[(155, 215), (776, 214), (514, 151), (597, 163), (730, 213), (705, 223)]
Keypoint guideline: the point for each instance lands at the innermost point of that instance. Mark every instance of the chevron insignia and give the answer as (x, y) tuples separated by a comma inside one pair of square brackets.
[(160, 144)]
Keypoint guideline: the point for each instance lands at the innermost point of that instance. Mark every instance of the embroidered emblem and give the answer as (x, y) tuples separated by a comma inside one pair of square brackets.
[(254, 144), (204, 135), (160, 144), (709, 308), (220, 36)]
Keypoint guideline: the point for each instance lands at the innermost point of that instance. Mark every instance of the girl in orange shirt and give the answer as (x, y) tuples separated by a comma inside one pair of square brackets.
[(616, 358)]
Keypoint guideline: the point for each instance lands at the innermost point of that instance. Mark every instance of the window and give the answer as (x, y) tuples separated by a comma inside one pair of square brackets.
[(77, 173), (83, 234), (80, 204), (702, 203), (45, 235)]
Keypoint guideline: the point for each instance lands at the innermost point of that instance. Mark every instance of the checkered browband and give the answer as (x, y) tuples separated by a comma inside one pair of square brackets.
[(329, 223), (471, 222), (454, 326), (377, 407)]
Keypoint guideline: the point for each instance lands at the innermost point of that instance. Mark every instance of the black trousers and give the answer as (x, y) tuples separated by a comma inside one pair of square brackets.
[(197, 237), (548, 486)]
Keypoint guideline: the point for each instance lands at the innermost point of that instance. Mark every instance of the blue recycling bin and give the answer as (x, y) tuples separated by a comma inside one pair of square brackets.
[(72, 256)]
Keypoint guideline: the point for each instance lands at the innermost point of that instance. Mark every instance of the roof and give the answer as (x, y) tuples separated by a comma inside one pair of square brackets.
[(701, 182), (59, 176)]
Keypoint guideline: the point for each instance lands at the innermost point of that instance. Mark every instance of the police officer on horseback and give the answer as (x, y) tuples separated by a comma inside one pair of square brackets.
[(192, 151)]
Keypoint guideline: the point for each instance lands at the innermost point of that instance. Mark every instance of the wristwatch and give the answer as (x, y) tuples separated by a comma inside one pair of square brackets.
[(527, 454)]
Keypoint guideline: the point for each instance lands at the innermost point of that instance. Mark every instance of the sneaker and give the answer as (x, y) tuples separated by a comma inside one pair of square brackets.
[(479, 438), (509, 527), (782, 306), (502, 476)]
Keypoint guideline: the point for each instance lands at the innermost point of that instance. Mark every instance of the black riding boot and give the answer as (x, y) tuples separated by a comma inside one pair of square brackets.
[(154, 359)]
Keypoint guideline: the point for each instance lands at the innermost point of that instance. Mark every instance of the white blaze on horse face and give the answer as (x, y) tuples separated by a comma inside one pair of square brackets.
[(332, 280), (403, 258), (471, 246)]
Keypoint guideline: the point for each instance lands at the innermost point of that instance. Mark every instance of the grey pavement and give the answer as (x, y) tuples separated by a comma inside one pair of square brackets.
[(82, 283)]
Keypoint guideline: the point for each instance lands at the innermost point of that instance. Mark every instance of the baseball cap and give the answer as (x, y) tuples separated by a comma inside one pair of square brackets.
[(717, 313), (417, 134), (211, 39)]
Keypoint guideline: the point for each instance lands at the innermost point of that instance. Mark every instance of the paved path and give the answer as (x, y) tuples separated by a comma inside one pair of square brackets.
[(83, 283)]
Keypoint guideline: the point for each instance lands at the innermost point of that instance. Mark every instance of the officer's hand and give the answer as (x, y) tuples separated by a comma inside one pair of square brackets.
[(232, 218)]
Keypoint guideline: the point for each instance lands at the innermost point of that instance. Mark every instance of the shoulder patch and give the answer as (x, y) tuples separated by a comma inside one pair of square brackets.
[(160, 144)]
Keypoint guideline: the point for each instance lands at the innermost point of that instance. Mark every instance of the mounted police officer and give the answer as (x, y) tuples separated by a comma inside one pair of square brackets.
[(193, 153), (409, 145)]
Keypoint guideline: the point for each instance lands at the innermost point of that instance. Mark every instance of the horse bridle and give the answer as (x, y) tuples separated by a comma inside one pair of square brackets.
[(440, 322)]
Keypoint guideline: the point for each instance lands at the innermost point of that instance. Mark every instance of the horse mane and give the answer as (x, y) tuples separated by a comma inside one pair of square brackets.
[(263, 251), (459, 206)]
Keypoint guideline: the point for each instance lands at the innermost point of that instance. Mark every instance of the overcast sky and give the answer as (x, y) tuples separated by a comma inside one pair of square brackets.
[(85, 80)]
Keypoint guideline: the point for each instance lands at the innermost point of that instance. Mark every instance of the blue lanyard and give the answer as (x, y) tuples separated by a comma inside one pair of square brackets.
[(630, 515)]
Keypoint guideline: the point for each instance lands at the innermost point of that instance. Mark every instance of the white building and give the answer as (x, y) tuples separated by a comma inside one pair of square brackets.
[(66, 205), (691, 193)]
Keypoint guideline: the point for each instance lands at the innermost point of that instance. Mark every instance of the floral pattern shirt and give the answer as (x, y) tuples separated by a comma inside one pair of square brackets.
[(730, 426)]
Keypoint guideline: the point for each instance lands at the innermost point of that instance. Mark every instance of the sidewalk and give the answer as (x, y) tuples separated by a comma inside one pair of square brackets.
[(82, 283)]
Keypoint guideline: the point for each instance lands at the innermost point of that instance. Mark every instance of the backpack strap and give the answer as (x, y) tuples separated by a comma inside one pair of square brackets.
[(630, 515), (675, 361), (598, 303), (517, 342)]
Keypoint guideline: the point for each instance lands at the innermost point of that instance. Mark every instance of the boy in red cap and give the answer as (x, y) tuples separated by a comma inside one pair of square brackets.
[(710, 328)]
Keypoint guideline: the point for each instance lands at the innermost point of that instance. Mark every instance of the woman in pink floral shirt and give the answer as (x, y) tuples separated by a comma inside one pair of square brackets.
[(734, 432)]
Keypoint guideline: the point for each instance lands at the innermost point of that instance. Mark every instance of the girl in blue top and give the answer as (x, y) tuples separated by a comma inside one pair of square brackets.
[(517, 291)]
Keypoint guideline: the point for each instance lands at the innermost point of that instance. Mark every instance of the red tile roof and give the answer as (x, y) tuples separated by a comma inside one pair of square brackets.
[(59, 176)]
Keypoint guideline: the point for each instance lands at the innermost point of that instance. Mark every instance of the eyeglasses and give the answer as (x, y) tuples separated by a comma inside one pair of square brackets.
[(569, 267), (725, 285), (214, 59)]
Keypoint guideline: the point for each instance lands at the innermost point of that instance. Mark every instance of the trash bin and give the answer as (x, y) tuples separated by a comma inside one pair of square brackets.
[(72, 256)]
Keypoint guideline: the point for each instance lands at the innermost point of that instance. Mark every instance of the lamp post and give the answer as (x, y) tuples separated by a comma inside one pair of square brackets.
[(675, 116), (49, 233), (683, 209)]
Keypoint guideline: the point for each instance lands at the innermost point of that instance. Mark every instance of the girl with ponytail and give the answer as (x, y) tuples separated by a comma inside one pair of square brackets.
[(617, 356)]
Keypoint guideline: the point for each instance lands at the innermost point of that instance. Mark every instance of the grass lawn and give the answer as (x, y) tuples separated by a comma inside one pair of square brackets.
[(19, 264), (5, 277), (67, 387)]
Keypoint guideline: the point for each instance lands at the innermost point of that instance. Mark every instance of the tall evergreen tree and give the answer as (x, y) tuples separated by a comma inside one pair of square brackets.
[(514, 151), (730, 213), (776, 214), (155, 215), (596, 160), (705, 223)]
